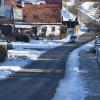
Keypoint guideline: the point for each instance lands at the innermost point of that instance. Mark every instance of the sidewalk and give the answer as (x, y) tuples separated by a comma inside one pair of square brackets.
[(90, 70)]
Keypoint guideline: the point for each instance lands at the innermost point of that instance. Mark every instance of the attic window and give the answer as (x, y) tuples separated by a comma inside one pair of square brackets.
[(24, 17), (35, 16)]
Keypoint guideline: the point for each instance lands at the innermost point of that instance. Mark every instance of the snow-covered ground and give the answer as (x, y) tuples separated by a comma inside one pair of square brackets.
[(24, 53), (67, 15), (90, 10), (83, 29), (71, 87)]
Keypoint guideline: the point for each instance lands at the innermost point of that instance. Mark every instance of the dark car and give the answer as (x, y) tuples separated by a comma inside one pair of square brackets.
[(73, 38)]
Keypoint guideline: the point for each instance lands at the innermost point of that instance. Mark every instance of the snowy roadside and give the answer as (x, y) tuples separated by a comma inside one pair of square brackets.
[(23, 54), (88, 9), (72, 86)]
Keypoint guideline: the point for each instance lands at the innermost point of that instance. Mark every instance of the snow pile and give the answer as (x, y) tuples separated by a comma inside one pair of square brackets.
[(38, 44), (12, 65), (83, 29), (30, 54), (71, 87), (87, 6)]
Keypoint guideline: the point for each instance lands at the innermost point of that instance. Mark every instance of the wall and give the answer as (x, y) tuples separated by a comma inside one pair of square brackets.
[(49, 29)]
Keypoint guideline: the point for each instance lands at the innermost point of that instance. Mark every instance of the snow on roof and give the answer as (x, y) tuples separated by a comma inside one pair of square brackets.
[(23, 26), (66, 15)]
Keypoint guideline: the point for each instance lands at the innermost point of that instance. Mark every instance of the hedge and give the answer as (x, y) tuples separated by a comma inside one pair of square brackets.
[(3, 53)]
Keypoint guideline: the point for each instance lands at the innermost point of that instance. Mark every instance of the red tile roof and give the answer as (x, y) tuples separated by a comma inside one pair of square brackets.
[(42, 13)]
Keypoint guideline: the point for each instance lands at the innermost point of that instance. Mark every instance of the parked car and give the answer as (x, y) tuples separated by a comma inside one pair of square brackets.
[(73, 38)]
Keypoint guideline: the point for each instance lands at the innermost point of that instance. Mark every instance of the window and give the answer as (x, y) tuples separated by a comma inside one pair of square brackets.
[(45, 28), (53, 29), (35, 16)]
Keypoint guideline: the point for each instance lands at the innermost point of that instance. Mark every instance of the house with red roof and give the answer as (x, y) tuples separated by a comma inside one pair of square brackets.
[(43, 16)]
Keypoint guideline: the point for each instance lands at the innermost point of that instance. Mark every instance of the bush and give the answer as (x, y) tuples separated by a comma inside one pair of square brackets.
[(9, 46), (3, 53), (22, 38)]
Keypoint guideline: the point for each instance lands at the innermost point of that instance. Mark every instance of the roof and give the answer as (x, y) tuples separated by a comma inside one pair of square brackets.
[(70, 24), (42, 13)]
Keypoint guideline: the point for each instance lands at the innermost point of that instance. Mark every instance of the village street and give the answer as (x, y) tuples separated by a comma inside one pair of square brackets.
[(39, 80), (67, 72)]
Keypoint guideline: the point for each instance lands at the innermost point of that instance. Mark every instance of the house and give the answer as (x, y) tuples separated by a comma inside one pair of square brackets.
[(43, 16)]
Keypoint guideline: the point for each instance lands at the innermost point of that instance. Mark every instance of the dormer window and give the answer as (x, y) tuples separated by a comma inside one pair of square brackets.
[(35, 16), (24, 17)]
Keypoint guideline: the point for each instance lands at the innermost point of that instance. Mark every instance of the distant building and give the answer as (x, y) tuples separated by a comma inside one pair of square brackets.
[(56, 2)]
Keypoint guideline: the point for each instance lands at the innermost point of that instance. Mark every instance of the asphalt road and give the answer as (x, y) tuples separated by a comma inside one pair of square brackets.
[(39, 80)]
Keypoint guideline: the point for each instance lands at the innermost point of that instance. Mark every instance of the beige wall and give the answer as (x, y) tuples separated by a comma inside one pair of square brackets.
[(49, 29)]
